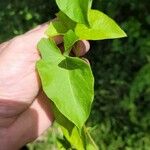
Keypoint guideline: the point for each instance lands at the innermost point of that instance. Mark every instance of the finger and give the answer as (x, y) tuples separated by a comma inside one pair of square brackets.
[(58, 39), (81, 48), (33, 122)]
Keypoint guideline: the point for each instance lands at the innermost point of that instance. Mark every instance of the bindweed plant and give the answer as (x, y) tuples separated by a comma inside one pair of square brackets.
[(66, 80)]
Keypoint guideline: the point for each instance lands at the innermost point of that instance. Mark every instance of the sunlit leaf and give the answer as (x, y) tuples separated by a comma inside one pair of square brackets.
[(60, 25), (67, 81), (101, 27), (69, 40), (77, 10)]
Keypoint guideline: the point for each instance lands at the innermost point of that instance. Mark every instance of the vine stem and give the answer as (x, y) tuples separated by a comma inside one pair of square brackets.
[(90, 137)]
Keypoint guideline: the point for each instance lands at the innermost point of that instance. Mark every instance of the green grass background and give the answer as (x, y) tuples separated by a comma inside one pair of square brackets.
[(120, 115)]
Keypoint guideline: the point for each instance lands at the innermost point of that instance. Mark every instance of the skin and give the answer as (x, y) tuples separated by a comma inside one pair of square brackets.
[(25, 111)]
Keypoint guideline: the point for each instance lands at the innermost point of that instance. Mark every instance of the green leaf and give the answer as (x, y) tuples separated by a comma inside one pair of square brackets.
[(60, 25), (69, 40), (68, 82), (77, 10), (141, 81), (55, 28), (101, 27), (67, 22)]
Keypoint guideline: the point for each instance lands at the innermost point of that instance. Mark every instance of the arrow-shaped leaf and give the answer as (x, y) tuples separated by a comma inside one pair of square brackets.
[(101, 27), (67, 81)]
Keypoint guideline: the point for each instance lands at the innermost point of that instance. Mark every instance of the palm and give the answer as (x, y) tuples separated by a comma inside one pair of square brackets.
[(18, 76)]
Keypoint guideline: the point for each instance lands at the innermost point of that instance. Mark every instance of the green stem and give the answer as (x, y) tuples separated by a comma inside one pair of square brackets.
[(90, 138)]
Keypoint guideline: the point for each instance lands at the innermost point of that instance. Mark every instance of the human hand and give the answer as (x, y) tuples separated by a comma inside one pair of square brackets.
[(24, 109)]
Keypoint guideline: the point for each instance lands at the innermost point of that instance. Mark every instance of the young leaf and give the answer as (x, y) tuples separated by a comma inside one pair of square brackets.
[(101, 27), (67, 22), (60, 25), (69, 40), (68, 82), (77, 10), (55, 28)]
